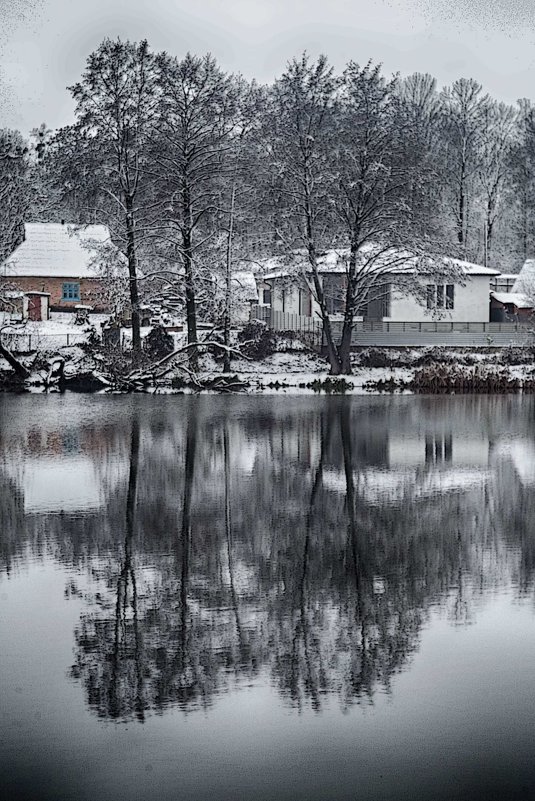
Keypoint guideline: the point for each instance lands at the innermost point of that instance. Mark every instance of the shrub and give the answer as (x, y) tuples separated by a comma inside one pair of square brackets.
[(158, 343), (374, 357), (516, 355), (382, 357), (436, 355), (257, 340)]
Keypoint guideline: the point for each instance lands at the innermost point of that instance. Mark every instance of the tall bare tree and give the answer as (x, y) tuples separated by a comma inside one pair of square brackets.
[(198, 121), (117, 100), (463, 114), (494, 164), (297, 139)]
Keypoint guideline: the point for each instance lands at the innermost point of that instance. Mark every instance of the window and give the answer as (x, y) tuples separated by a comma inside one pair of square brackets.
[(334, 291), (266, 297), (440, 296), (71, 291), (305, 303), (377, 304)]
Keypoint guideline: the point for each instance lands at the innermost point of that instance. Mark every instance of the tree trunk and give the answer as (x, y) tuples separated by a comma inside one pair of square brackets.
[(228, 279), (132, 273), (332, 351), (460, 224), (461, 210), (344, 349), (191, 305), (18, 368)]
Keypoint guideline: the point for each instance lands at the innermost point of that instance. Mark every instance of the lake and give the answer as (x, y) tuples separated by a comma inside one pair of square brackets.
[(267, 598)]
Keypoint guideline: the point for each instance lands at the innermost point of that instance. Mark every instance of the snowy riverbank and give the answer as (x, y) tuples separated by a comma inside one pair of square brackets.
[(292, 369)]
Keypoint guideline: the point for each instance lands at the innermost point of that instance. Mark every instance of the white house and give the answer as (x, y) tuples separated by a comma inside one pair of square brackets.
[(399, 289)]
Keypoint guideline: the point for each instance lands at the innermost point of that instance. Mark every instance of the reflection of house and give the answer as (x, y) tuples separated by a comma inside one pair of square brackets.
[(55, 259), (391, 288), (520, 452), (393, 486), (436, 447)]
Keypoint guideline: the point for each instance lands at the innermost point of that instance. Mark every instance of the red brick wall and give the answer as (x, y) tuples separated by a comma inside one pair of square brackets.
[(90, 291)]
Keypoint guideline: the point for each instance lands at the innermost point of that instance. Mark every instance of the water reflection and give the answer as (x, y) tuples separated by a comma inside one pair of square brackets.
[(302, 542)]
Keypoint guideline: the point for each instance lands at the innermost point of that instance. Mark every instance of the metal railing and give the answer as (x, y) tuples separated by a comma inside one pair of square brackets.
[(402, 333), (25, 343)]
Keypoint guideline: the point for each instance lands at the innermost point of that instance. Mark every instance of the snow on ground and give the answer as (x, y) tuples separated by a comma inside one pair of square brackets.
[(294, 370)]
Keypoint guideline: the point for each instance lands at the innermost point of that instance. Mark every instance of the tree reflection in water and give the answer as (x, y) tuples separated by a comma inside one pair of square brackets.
[(307, 546)]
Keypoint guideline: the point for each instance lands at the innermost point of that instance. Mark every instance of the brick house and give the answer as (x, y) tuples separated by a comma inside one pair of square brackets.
[(62, 261)]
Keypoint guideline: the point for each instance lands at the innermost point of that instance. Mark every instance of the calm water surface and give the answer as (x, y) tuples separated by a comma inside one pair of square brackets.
[(267, 598)]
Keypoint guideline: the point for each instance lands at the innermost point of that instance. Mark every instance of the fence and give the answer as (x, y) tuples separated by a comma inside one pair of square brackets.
[(308, 328), (436, 326), (436, 334), (24, 343), (429, 333)]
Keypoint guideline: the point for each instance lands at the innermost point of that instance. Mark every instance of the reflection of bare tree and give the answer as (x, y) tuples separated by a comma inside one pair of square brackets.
[(12, 539), (305, 659), (254, 540), (106, 679)]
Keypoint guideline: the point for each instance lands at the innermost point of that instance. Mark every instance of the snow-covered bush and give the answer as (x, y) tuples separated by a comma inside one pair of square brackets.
[(158, 343), (256, 340), (516, 355)]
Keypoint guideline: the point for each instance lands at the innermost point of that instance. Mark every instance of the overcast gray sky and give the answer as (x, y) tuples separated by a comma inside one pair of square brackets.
[(44, 43)]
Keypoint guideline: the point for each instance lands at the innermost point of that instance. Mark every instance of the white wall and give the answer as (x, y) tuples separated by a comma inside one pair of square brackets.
[(471, 303), (291, 298)]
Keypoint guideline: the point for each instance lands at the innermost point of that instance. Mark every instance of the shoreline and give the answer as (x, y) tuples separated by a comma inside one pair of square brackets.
[(299, 372)]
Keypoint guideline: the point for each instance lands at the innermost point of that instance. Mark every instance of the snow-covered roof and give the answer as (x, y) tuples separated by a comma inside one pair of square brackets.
[(54, 250), (525, 280), (518, 299), (393, 261)]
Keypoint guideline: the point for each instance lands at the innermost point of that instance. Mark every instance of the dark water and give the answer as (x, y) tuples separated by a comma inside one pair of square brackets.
[(267, 598)]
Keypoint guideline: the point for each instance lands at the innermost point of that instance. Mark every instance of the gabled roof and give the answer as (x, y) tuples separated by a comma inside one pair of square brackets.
[(53, 250), (392, 261)]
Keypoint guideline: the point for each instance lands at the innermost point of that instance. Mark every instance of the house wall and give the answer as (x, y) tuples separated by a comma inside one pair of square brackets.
[(90, 291), (471, 303)]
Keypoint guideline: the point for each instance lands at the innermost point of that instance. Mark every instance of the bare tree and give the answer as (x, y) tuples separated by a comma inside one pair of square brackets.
[(15, 190), (494, 164), (297, 139), (463, 114), (197, 124), (116, 106)]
